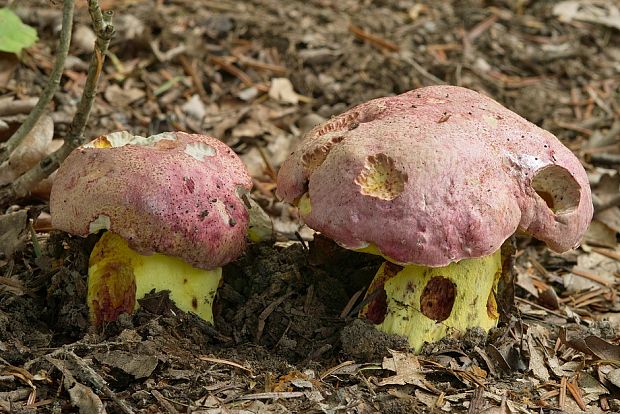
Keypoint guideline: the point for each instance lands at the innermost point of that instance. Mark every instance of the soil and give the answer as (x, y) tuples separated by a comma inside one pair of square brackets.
[(286, 337)]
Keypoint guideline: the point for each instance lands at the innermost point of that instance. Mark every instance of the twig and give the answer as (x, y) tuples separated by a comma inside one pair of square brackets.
[(190, 69), (272, 395), (262, 318), (572, 127), (562, 397), (481, 27), (590, 276), (96, 381), (347, 309), (102, 23), (331, 370), (52, 84), (165, 403), (373, 39), (605, 160), (235, 71), (612, 254), (614, 202), (224, 362), (10, 107), (408, 58)]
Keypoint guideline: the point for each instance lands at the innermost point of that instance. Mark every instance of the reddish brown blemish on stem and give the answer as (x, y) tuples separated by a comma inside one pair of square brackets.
[(492, 310), (116, 294), (377, 307), (437, 298)]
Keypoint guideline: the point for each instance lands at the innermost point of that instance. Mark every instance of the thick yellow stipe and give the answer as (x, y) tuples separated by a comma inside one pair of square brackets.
[(426, 304), (304, 205), (118, 276)]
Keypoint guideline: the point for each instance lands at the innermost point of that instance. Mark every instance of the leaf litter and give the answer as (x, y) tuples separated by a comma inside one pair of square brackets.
[(257, 75)]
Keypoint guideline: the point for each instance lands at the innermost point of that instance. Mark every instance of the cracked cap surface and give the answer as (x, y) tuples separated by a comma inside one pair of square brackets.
[(436, 175)]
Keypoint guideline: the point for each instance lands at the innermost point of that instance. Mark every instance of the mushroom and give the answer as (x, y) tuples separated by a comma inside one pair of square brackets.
[(174, 207), (435, 180)]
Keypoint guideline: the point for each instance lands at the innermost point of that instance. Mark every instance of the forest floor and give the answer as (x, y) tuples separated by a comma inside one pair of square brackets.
[(258, 74)]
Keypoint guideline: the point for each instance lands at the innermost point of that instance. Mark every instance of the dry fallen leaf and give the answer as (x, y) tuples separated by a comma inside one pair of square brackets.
[(599, 266), (282, 90), (138, 365), (120, 97), (194, 107), (13, 232), (600, 233), (603, 349), (537, 360), (85, 399), (35, 146), (502, 409), (407, 368), (603, 12)]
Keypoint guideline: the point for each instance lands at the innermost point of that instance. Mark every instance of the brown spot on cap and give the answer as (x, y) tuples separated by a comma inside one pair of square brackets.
[(194, 303), (437, 298)]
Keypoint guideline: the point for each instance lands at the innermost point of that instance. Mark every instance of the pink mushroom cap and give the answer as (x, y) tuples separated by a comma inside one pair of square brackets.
[(436, 175), (174, 193)]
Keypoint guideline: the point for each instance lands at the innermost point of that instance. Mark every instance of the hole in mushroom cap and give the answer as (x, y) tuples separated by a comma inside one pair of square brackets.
[(340, 123), (102, 222), (351, 120), (220, 207), (199, 150), (313, 159), (380, 178), (557, 187), (122, 138), (437, 298)]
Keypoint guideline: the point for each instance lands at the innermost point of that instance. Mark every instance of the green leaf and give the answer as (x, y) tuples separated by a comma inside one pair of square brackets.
[(14, 35)]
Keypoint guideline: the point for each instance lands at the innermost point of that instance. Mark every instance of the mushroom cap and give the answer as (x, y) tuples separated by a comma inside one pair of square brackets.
[(436, 175), (174, 193)]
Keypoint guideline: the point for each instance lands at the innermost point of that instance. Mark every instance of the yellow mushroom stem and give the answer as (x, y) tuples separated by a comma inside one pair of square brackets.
[(426, 304), (118, 276)]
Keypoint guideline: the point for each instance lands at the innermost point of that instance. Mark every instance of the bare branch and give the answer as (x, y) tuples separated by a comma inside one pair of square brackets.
[(102, 23), (52, 84)]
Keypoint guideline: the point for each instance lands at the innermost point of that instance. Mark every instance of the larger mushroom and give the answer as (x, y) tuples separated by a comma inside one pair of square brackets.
[(436, 180), (174, 208)]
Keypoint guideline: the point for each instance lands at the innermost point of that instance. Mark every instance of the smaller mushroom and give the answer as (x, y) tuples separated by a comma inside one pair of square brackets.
[(435, 180), (174, 212)]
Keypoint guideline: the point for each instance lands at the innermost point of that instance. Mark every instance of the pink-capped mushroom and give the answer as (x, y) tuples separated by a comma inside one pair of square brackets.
[(174, 207), (436, 180)]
